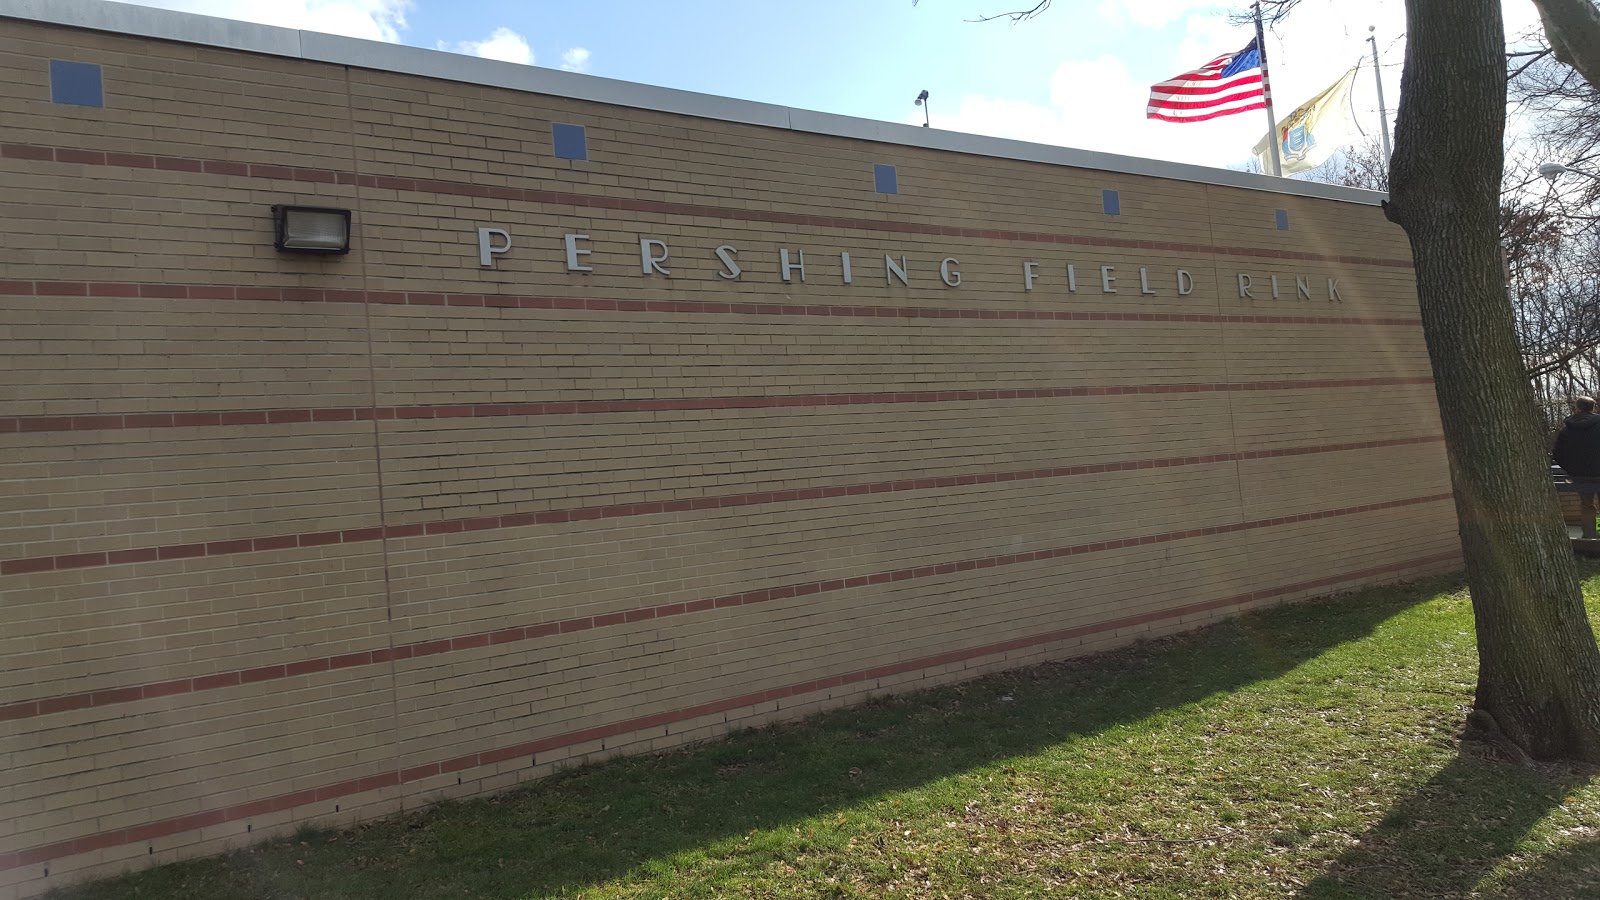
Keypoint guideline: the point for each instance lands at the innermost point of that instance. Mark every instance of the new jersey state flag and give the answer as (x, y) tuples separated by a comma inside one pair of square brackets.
[(1310, 134)]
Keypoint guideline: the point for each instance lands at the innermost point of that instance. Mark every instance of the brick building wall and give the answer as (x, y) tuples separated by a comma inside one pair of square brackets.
[(296, 539)]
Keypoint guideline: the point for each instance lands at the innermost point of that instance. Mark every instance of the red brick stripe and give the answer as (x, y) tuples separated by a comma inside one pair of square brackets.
[(588, 201), (120, 421), (32, 708), (697, 307), (62, 562), (196, 821)]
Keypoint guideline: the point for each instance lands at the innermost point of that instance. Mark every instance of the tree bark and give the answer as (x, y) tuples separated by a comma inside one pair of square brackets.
[(1539, 670), (1573, 29)]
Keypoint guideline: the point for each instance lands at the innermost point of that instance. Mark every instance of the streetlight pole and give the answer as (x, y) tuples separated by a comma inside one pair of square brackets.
[(1266, 94), (922, 101), (1377, 72)]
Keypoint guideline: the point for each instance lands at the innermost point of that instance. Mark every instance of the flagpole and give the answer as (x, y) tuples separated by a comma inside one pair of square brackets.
[(1266, 90), (1377, 72)]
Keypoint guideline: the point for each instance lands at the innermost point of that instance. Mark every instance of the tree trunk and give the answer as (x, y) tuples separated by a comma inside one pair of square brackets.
[(1539, 670), (1573, 29)]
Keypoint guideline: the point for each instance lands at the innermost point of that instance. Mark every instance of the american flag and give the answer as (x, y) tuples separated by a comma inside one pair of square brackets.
[(1231, 83)]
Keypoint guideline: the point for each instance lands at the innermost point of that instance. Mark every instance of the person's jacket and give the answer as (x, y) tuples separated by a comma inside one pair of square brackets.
[(1577, 449)]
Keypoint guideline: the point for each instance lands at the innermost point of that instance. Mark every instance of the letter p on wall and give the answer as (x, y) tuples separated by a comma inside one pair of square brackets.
[(488, 249)]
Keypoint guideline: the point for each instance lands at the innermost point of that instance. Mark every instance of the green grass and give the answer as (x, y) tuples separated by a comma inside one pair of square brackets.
[(1308, 751)]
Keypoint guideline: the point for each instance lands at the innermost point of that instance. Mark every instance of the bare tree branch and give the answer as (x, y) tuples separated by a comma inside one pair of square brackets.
[(1016, 15), (1272, 12), (1019, 15), (1536, 54)]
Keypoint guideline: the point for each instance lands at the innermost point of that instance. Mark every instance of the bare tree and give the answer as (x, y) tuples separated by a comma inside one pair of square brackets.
[(1565, 112), (1549, 232), (1362, 166), (1539, 668), (1551, 229), (1552, 254), (1551, 249)]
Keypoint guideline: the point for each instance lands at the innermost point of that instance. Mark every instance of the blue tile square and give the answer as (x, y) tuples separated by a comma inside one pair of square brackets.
[(1283, 220), (1111, 202), (884, 179), (76, 83), (570, 141)]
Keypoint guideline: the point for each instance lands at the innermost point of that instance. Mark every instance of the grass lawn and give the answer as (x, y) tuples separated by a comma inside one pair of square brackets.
[(1308, 751)]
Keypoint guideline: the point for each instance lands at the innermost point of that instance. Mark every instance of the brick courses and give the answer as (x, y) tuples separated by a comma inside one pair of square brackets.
[(300, 540)]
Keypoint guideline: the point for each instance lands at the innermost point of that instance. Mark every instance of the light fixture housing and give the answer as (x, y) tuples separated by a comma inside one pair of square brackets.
[(1551, 169), (1554, 170), (311, 229)]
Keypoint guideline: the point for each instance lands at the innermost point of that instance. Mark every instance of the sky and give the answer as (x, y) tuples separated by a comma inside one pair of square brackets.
[(1076, 76)]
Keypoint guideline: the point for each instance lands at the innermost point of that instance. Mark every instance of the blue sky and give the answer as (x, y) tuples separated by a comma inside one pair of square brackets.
[(1075, 76), (859, 57)]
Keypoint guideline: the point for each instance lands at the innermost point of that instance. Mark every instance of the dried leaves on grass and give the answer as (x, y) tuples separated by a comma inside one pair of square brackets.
[(1309, 751)]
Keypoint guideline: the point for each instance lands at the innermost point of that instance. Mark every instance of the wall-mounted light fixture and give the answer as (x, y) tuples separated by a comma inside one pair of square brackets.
[(310, 229)]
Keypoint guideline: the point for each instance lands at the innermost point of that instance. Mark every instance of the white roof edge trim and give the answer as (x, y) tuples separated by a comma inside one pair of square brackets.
[(188, 28)]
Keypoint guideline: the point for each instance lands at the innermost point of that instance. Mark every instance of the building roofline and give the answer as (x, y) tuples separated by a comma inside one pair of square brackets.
[(188, 28)]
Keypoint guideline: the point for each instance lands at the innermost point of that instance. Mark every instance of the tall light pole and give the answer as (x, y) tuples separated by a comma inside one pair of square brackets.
[(922, 101), (1377, 72), (1276, 141)]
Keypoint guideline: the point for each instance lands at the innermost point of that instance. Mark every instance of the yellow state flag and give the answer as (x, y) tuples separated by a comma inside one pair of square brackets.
[(1310, 134)]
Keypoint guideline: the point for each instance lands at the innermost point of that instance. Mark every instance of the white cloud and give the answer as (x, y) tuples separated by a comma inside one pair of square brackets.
[(575, 60), (502, 44), (374, 20), (1207, 35), (1098, 103)]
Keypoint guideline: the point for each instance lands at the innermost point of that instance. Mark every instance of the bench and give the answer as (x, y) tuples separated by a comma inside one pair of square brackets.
[(1563, 486), (1568, 493)]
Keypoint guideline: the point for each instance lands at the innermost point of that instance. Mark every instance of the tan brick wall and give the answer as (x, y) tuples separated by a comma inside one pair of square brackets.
[(293, 539)]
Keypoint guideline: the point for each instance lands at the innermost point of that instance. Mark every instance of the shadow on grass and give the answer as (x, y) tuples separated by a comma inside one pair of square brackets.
[(1568, 874), (1450, 833), (601, 822)]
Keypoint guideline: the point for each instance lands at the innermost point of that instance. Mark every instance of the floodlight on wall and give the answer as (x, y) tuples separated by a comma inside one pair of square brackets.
[(311, 229)]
